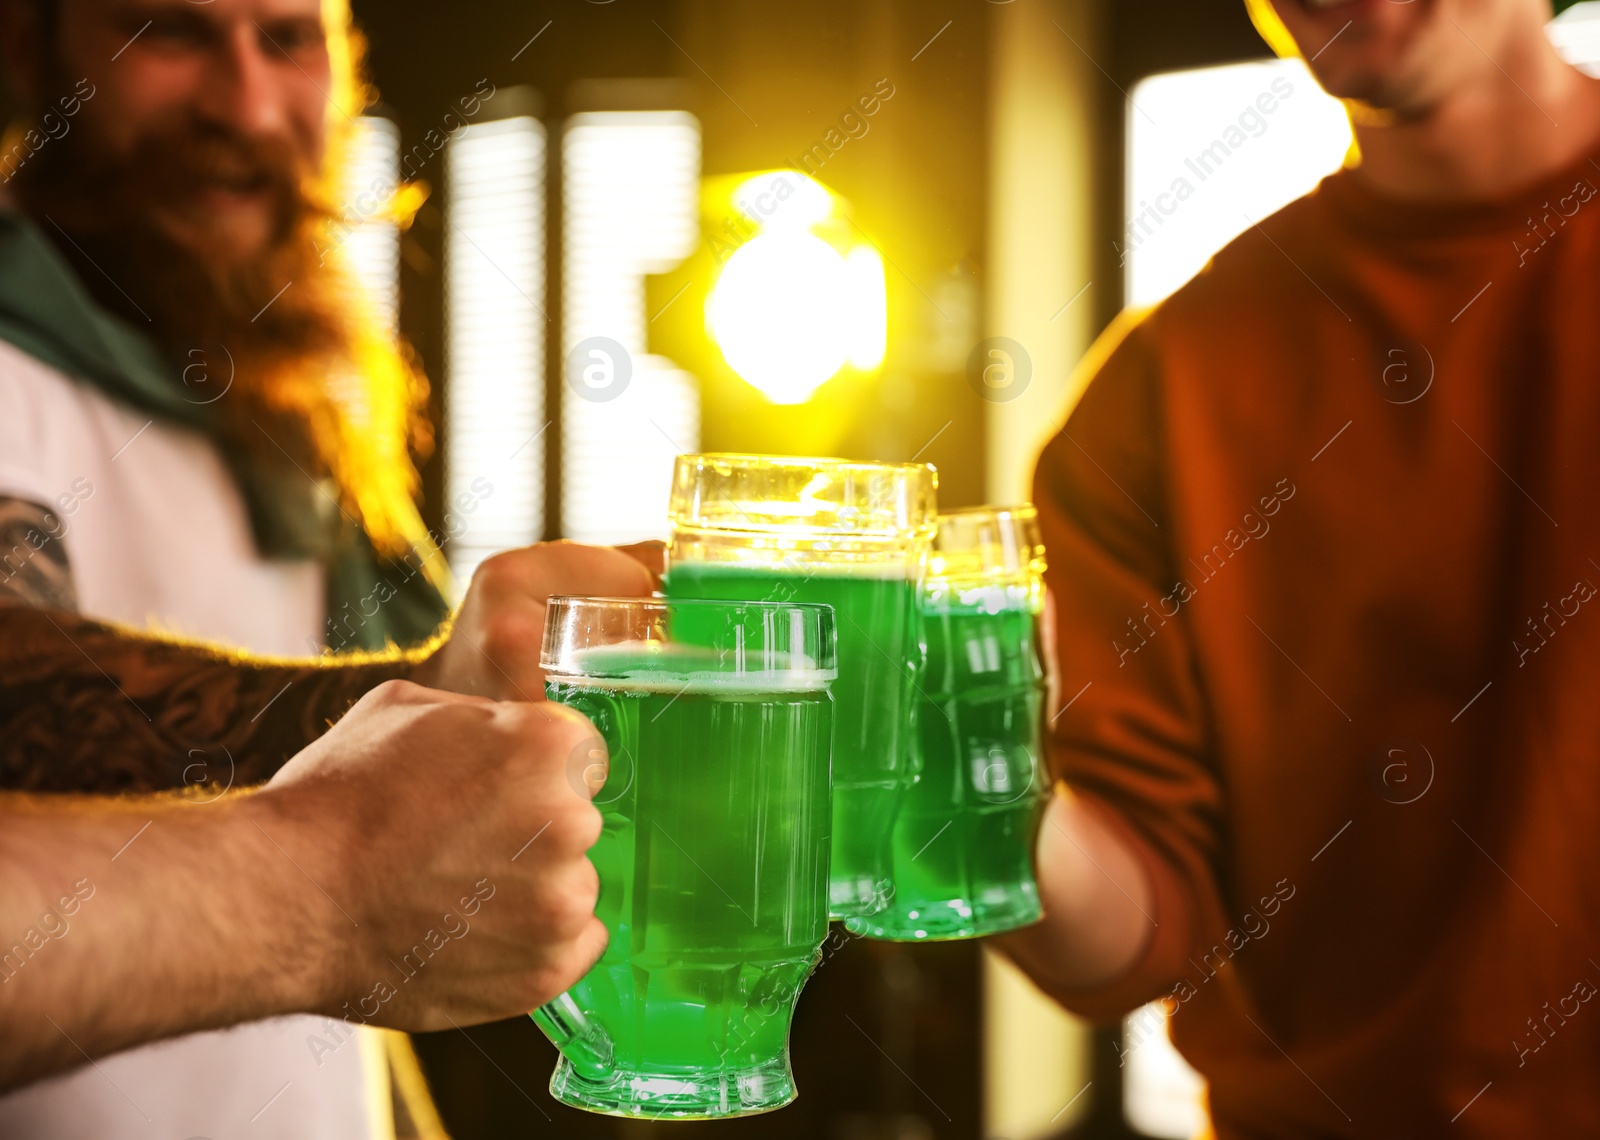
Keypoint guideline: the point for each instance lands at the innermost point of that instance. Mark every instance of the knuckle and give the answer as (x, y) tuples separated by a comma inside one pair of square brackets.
[(632, 577), (587, 891), (583, 890), (588, 769), (566, 725), (591, 826), (524, 721), (510, 577), (444, 712), (587, 827), (565, 740), (592, 943), (575, 827), (567, 908), (568, 900), (565, 963), (608, 570), (396, 691), (496, 572), (573, 959)]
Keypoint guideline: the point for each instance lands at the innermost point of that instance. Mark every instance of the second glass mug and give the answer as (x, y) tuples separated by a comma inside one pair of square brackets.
[(854, 536), (713, 857)]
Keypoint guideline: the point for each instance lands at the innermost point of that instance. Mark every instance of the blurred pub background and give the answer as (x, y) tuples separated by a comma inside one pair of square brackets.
[(987, 184)]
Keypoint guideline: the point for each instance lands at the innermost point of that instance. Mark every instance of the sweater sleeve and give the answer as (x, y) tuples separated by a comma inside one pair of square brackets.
[(1133, 738)]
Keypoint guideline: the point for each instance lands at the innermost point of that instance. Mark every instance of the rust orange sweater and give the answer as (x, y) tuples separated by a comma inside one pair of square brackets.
[(1324, 536)]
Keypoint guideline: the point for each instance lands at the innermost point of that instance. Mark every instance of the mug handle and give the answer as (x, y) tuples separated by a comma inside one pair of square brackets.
[(582, 1041)]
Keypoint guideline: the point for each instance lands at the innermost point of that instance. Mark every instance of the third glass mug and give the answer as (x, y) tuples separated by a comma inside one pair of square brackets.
[(854, 536), (964, 838)]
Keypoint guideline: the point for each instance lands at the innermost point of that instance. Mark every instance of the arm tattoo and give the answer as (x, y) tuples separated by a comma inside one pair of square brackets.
[(33, 561), (87, 706)]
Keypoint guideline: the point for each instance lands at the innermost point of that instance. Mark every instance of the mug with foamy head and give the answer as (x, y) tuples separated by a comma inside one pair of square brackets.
[(853, 536), (713, 785)]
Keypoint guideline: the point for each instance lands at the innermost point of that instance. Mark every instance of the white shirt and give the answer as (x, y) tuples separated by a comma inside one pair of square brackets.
[(158, 536)]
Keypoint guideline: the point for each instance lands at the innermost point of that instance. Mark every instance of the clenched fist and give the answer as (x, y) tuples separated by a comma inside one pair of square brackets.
[(451, 845)]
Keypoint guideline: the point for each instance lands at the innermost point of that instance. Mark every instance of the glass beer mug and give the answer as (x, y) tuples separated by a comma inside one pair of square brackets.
[(853, 536), (713, 858)]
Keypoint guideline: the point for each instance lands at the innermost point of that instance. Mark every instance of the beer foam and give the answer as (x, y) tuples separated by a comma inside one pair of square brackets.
[(664, 667), (949, 598), (800, 569)]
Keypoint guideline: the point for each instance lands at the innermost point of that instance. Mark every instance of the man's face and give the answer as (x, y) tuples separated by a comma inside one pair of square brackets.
[(244, 81), (1404, 55)]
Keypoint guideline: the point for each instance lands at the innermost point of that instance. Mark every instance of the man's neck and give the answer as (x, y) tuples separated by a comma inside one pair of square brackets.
[(1527, 117)]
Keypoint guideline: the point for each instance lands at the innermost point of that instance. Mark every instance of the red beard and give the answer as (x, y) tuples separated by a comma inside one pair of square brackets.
[(268, 331)]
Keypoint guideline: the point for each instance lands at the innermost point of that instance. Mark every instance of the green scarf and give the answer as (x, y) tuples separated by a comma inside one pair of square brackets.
[(372, 600)]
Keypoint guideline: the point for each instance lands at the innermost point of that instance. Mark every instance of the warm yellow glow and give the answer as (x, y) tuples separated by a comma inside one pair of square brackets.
[(799, 296), (868, 307), (1272, 28), (783, 199), (781, 314)]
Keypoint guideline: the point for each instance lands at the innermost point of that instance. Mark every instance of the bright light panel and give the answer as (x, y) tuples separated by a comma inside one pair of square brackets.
[(780, 313), (372, 245), (494, 340), (869, 307), (1162, 1095), (631, 186), (1576, 35), (789, 309), (784, 199), (1206, 160), (367, 243)]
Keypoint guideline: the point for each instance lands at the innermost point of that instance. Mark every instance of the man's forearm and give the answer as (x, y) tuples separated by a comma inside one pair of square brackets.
[(90, 707), (127, 920), (1099, 910)]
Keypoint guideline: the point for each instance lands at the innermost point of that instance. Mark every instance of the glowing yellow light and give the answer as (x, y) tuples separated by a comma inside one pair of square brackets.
[(797, 300), (783, 199), (781, 313), (868, 307)]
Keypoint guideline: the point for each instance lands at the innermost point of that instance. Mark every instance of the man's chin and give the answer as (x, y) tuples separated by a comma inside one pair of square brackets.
[(1366, 85), (1385, 88)]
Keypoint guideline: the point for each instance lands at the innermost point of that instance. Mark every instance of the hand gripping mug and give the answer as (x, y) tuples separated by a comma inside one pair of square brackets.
[(853, 536), (964, 839), (713, 858)]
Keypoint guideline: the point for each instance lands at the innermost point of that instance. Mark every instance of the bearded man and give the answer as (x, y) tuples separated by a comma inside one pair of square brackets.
[(204, 431)]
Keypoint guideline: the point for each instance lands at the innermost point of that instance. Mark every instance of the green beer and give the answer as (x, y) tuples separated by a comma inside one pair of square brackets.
[(852, 536), (713, 859), (964, 838), (879, 652)]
